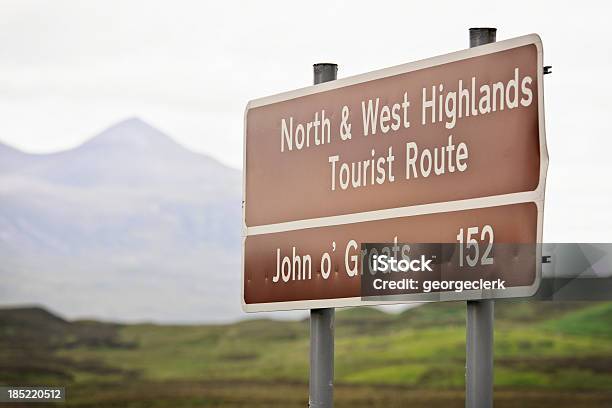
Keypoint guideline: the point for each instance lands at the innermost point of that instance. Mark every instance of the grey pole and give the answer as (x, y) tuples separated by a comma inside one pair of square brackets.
[(482, 35), (480, 313), (321, 386), (325, 72)]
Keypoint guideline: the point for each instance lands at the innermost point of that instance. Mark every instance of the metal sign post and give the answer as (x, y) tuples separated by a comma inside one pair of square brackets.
[(480, 313), (321, 385)]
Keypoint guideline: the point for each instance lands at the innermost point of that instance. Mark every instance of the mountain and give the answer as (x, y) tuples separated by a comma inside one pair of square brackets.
[(127, 226), (130, 153)]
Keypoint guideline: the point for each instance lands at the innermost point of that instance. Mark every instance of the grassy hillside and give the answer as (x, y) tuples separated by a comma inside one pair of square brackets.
[(547, 354)]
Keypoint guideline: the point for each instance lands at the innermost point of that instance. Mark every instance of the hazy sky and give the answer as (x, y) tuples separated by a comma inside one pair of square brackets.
[(71, 68)]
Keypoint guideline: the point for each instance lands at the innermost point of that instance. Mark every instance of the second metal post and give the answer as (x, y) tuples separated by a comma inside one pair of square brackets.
[(321, 384), (480, 313)]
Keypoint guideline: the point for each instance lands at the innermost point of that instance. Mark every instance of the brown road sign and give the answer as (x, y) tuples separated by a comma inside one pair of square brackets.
[(451, 133)]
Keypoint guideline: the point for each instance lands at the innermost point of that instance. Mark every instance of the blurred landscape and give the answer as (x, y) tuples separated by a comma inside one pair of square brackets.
[(548, 354), (129, 226), (120, 244)]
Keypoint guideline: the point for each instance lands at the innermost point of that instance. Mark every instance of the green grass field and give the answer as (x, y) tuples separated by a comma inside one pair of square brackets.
[(546, 353)]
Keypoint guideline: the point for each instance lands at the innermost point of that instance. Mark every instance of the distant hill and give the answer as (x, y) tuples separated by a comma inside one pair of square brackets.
[(128, 226)]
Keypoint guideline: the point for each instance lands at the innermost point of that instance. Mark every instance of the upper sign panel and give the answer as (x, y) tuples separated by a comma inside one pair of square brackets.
[(460, 126)]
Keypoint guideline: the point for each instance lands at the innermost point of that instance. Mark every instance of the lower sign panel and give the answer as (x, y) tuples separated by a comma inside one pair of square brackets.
[(322, 267)]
